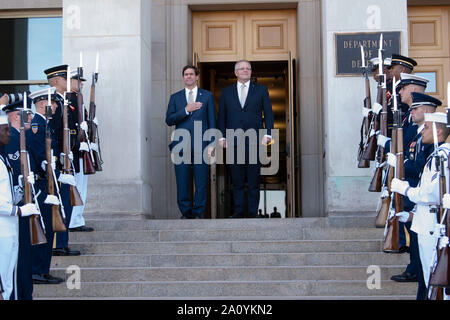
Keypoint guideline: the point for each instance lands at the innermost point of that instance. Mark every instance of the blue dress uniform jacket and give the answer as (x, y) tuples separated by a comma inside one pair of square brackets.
[(41, 254), (206, 116), (24, 265)]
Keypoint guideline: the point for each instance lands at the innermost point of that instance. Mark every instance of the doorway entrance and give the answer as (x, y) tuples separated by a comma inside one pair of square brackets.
[(275, 200), (268, 39)]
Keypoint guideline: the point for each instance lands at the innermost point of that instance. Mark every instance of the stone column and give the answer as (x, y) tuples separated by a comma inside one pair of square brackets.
[(346, 185), (120, 31)]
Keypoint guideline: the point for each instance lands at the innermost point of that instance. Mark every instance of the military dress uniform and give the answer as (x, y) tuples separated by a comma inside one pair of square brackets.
[(62, 238), (77, 222), (9, 225), (427, 197), (24, 288), (36, 136)]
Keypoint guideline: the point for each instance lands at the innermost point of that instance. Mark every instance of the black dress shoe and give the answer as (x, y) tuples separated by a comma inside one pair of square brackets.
[(65, 252), (81, 229), (237, 216), (42, 279), (48, 276), (405, 277), (403, 249)]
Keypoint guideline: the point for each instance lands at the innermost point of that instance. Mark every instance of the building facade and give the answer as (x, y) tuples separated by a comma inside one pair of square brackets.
[(143, 46)]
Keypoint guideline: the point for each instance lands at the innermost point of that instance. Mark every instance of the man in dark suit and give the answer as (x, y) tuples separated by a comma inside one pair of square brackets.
[(245, 105), (189, 110)]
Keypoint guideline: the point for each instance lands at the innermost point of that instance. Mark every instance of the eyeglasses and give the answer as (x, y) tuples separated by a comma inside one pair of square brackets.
[(242, 69)]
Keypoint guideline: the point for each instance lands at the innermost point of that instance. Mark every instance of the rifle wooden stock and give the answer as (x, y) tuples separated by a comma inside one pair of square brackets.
[(383, 212), (37, 234), (57, 220), (75, 197), (88, 165), (441, 275), (371, 149), (376, 183)]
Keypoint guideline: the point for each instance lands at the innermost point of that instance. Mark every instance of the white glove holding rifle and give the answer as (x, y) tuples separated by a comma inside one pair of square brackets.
[(392, 160), (30, 179), (446, 201), (63, 155), (382, 140), (403, 216), (400, 186), (29, 209)]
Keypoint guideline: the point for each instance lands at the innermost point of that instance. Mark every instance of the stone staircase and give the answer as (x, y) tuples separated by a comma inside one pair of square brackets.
[(130, 257)]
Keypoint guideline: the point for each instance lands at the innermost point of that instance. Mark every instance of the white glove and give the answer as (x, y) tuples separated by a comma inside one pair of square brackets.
[(52, 199), (29, 210), (384, 193), (44, 165), (95, 121), (30, 178), (84, 147), (20, 181), (399, 186), (94, 147), (62, 157), (84, 126), (392, 159), (403, 216), (446, 201), (382, 140), (376, 108), (366, 112), (67, 179)]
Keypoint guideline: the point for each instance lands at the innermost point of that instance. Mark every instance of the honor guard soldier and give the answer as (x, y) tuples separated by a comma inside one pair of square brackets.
[(42, 254), (9, 213), (374, 63), (416, 155), (427, 194), (24, 288), (77, 222), (399, 64), (57, 78)]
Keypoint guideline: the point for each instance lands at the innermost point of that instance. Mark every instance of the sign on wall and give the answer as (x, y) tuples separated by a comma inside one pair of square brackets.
[(348, 51)]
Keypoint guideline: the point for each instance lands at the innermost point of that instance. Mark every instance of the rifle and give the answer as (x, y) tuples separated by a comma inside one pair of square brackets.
[(439, 275), (93, 128), (365, 126), (57, 220), (390, 243), (376, 183), (88, 167), (37, 234), (67, 177)]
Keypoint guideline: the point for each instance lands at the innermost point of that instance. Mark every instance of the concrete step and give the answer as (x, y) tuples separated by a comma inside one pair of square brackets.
[(232, 259), (212, 289), (122, 222), (246, 273), (278, 246), (281, 233), (351, 219)]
